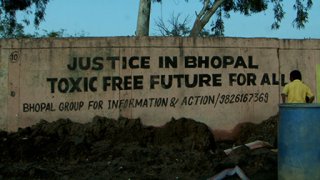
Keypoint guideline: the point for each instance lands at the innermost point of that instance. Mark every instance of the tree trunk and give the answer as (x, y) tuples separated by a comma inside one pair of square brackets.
[(204, 16), (143, 18), (197, 28)]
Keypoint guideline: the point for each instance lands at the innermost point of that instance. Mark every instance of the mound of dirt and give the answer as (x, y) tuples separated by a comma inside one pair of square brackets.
[(126, 149), (265, 131)]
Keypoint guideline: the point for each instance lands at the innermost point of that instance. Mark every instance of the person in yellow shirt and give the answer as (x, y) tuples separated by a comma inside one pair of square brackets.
[(296, 91)]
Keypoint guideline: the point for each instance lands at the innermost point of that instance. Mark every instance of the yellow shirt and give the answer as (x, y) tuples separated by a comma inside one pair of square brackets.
[(297, 91)]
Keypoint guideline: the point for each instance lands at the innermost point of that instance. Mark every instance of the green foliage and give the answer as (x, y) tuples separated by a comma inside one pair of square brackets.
[(11, 6), (302, 13), (250, 7), (218, 26), (10, 28), (175, 27), (8, 8), (6, 29), (247, 7), (278, 14), (59, 33)]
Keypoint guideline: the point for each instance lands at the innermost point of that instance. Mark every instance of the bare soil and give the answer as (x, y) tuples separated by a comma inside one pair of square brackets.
[(126, 149)]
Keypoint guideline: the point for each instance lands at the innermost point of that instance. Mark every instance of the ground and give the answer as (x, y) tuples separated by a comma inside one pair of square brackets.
[(126, 149)]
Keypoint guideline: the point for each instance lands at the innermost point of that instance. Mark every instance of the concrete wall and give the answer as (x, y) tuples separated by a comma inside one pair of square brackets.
[(219, 81)]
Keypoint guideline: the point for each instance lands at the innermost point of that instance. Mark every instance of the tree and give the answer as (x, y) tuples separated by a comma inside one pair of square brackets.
[(222, 8), (8, 32), (9, 26), (176, 28), (247, 7), (143, 18)]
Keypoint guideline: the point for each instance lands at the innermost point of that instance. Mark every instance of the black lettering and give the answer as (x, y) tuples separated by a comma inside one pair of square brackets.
[(203, 61), (84, 65), (138, 82), (127, 83), (250, 64), (192, 84), (25, 107), (75, 85), (85, 84), (204, 79), (63, 85), (71, 106), (123, 83), (274, 79), (241, 79), (216, 80), (265, 79), (113, 61), (91, 84), (179, 77), (73, 66), (106, 83), (251, 79), (168, 62), (131, 62), (135, 62), (37, 107), (240, 62), (116, 83), (232, 78), (97, 63), (283, 80), (52, 83), (145, 62), (96, 105), (216, 62), (163, 82), (227, 60), (154, 79), (190, 62)]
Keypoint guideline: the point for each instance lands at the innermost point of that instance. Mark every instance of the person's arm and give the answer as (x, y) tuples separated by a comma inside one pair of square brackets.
[(284, 97), (310, 95), (311, 99), (284, 93)]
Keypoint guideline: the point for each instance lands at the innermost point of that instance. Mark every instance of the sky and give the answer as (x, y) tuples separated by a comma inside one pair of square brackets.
[(105, 18)]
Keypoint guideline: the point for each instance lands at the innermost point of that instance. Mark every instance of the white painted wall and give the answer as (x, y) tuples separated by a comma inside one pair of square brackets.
[(238, 80)]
